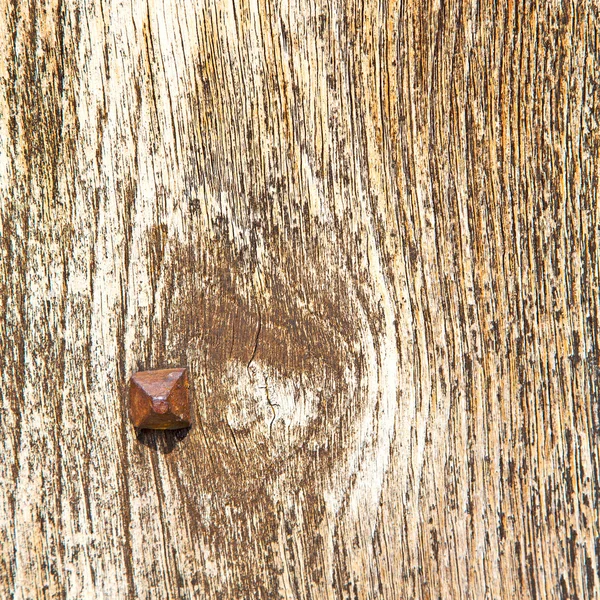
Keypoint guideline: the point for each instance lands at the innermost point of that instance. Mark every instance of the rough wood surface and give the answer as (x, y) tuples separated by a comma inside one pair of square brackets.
[(369, 229)]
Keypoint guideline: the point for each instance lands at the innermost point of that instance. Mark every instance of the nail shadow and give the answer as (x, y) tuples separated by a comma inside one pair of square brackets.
[(163, 441)]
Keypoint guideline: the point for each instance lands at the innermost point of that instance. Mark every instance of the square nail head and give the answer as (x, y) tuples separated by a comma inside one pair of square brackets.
[(160, 399)]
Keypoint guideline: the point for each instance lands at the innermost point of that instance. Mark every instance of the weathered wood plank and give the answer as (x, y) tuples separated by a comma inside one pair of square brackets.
[(369, 230)]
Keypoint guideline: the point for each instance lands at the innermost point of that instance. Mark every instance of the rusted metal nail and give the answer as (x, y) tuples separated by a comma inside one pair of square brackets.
[(160, 399)]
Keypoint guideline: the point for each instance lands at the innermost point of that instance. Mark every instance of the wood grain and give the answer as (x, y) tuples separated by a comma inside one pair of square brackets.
[(370, 231)]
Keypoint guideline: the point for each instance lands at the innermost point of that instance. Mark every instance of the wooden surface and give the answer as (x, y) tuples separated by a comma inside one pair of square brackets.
[(370, 231)]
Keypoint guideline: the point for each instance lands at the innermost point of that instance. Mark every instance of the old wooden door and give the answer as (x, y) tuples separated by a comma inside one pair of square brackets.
[(370, 231)]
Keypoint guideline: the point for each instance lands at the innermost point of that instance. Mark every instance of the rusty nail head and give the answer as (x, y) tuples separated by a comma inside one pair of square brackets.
[(160, 399)]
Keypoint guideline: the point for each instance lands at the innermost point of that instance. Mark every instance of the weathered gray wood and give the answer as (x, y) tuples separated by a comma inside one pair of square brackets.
[(369, 229)]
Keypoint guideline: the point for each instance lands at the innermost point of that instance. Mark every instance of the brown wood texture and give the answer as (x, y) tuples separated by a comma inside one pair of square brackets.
[(370, 231)]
